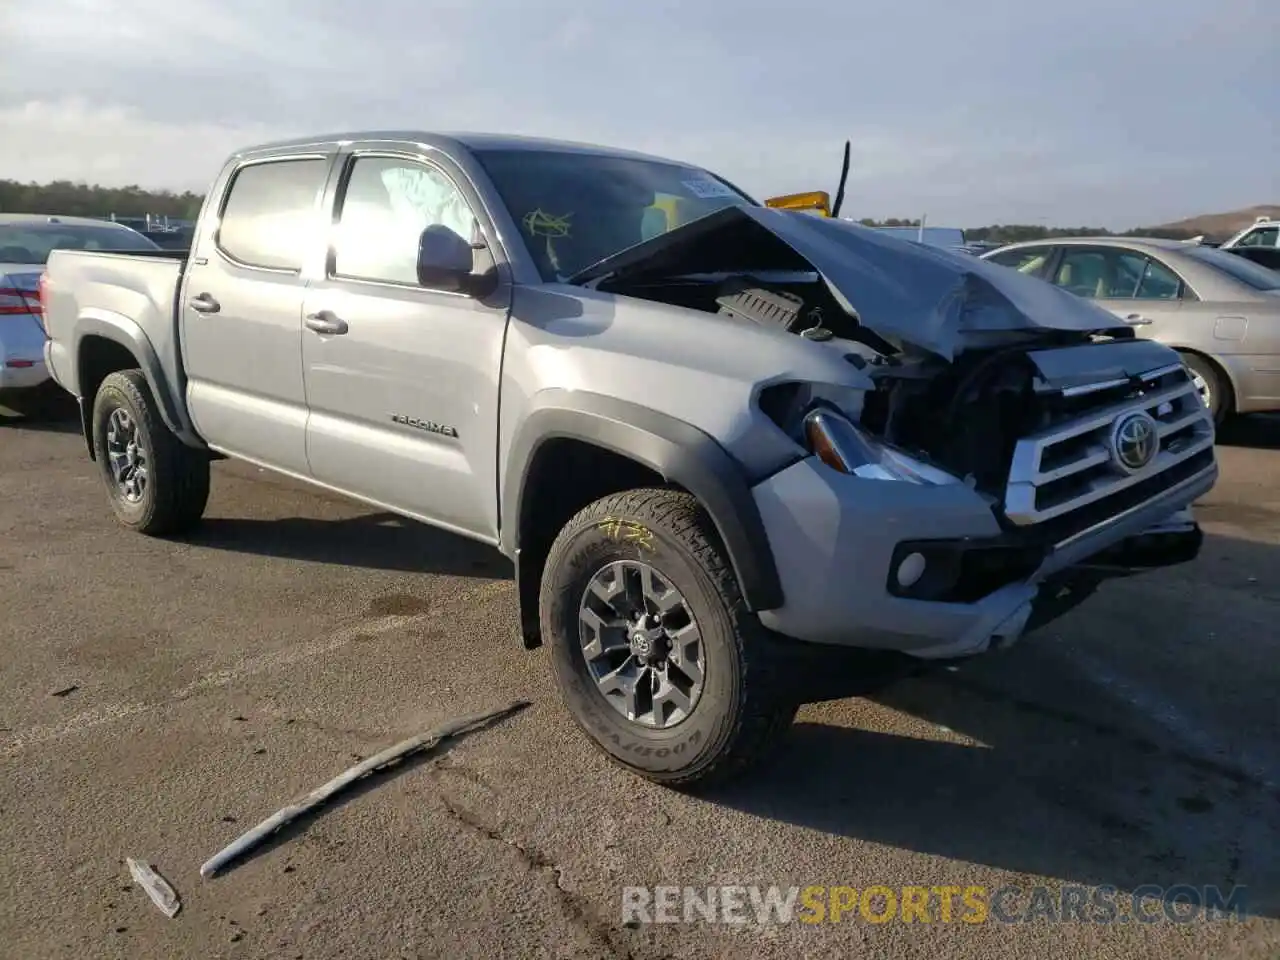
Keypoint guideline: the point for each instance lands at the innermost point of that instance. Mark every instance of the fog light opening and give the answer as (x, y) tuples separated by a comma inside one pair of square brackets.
[(911, 569)]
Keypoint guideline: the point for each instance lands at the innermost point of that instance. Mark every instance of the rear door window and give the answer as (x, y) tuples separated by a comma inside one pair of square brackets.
[(270, 213), (1110, 273)]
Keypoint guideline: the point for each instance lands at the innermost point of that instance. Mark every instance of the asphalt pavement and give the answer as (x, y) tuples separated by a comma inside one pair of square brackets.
[(160, 697)]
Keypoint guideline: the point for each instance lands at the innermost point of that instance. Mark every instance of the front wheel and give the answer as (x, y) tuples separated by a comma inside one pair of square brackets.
[(157, 484), (652, 647)]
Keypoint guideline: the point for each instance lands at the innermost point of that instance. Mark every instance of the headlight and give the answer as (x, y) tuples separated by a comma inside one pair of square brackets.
[(838, 443)]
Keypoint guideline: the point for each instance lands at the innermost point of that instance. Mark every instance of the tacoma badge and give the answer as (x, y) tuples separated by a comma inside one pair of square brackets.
[(430, 426)]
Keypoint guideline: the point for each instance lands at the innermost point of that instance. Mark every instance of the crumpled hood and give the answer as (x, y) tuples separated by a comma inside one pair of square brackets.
[(928, 297)]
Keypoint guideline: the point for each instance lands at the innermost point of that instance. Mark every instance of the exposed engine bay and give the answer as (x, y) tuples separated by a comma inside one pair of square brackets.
[(964, 416), (966, 358)]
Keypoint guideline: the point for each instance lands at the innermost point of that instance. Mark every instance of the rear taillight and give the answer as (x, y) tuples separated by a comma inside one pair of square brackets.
[(12, 302), (22, 302)]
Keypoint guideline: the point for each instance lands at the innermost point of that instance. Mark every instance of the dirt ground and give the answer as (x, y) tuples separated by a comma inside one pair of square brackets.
[(161, 697)]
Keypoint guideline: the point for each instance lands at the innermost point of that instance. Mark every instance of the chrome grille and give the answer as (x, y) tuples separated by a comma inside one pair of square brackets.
[(1074, 464)]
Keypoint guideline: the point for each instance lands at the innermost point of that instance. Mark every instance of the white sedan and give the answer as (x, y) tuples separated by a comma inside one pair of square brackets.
[(25, 243)]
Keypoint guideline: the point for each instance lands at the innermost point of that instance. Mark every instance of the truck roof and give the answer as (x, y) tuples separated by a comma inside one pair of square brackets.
[(442, 140)]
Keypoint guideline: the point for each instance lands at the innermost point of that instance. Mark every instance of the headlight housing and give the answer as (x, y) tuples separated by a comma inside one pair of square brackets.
[(842, 446)]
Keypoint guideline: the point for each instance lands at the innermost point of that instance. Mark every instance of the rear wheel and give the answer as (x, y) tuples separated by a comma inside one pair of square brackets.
[(1213, 388), (652, 648), (157, 484)]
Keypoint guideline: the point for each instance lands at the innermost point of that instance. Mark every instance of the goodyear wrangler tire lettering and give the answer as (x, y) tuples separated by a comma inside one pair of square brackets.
[(729, 724)]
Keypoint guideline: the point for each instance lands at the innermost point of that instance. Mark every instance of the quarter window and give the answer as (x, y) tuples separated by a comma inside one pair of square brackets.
[(270, 212), (385, 207), (1158, 283)]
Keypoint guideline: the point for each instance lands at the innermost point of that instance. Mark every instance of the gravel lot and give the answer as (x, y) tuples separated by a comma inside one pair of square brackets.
[(161, 697)]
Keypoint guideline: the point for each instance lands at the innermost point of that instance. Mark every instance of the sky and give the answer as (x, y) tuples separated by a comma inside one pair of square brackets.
[(1114, 113)]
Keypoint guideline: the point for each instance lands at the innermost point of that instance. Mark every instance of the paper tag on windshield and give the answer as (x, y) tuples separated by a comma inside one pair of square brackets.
[(708, 189)]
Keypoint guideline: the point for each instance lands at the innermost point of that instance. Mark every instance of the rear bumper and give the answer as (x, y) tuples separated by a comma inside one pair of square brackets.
[(840, 540), (22, 354), (22, 373)]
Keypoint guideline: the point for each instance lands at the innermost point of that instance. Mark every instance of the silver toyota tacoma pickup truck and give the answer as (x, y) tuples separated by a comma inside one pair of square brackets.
[(725, 446)]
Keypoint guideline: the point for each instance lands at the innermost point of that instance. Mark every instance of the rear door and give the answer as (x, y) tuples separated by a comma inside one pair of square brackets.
[(1132, 285), (241, 309), (402, 380)]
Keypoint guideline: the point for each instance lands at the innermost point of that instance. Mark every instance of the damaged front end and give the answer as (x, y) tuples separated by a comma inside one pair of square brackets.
[(1040, 448)]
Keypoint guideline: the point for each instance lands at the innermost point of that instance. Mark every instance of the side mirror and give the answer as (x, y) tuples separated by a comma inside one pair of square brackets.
[(445, 260), (817, 200)]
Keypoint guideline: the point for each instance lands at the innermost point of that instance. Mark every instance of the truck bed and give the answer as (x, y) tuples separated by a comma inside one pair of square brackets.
[(122, 296)]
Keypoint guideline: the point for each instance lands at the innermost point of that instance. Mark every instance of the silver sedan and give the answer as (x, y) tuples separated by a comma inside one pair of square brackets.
[(25, 242), (1220, 311)]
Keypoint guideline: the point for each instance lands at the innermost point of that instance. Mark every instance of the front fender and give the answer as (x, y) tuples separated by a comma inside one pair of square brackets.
[(680, 453), (125, 332)]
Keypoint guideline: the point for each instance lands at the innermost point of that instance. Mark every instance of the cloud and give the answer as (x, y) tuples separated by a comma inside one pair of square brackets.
[(1092, 112), (72, 140)]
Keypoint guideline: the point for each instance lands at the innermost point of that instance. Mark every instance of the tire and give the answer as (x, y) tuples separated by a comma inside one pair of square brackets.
[(176, 488), (1220, 399), (743, 706)]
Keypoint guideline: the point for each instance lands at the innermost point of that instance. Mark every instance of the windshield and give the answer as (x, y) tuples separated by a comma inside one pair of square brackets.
[(1246, 271), (31, 243), (576, 209)]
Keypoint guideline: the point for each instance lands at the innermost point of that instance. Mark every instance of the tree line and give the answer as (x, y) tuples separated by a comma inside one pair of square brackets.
[(1017, 232), (91, 200)]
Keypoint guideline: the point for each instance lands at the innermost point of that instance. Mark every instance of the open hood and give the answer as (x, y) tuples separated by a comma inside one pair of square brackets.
[(931, 298)]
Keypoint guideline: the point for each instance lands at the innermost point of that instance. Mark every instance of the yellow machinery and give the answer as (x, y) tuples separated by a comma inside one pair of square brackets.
[(817, 201)]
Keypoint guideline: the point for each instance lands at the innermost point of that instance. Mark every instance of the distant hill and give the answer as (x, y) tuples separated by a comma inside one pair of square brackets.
[(1217, 226)]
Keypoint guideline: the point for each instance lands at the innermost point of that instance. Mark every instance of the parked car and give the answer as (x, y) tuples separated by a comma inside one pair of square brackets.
[(1268, 257), (25, 243), (1263, 232), (723, 444), (1219, 311)]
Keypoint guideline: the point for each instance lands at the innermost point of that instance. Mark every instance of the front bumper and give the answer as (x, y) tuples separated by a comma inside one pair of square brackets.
[(836, 539)]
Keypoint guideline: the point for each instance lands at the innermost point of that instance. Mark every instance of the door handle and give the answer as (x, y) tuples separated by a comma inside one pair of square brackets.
[(324, 321), (204, 303), (1136, 320)]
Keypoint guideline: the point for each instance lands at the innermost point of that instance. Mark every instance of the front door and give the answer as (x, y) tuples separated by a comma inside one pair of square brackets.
[(402, 381), (241, 312)]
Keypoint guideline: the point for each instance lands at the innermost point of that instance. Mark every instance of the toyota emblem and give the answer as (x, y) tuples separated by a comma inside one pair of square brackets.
[(1134, 441)]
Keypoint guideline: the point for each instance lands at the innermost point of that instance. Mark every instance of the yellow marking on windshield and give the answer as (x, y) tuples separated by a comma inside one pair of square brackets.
[(539, 223)]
